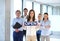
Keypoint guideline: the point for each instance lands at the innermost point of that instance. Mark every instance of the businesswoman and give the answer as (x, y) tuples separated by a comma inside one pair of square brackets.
[(45, 29), (31, 32)]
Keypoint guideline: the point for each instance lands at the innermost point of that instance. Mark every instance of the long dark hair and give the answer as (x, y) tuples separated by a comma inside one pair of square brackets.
[(29, 17), (46, 14)]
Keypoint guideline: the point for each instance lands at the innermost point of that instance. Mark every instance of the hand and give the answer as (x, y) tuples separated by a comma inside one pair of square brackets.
[(47, 26), (16, 30), (23, 25), (38, 24)]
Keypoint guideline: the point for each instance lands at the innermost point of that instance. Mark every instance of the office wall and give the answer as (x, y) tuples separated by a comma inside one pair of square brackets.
[(2, 20)]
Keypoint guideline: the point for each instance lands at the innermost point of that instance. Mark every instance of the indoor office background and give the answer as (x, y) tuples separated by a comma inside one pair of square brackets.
[(7, 13)]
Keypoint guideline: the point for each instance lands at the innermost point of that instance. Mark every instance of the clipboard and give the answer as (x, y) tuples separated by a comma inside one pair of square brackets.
[(17, 26)]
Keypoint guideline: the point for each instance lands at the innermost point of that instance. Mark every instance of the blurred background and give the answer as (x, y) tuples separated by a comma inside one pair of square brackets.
[(7, 13)]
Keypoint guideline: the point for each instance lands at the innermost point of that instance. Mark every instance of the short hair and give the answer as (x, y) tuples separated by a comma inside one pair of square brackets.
[(46, 13), (25, 9), (18, 11), (40, 14)]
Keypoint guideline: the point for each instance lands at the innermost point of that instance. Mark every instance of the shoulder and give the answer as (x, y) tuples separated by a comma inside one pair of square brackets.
[(41, 21), (21, 18), (14, 18), (35, 21)]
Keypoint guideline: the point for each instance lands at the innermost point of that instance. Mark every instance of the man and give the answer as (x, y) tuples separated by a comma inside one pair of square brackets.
[(25, 18), (25, 12), (18, 33), (38, 33)]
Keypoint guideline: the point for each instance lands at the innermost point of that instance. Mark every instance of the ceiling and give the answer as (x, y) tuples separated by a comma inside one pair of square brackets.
[(49, 2)]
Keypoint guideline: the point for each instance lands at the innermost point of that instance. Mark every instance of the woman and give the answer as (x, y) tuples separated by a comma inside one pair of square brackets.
[(45, 34), (31, 24)]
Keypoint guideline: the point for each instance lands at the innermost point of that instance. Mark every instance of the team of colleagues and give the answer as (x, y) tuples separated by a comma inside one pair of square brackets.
[(31, 28)]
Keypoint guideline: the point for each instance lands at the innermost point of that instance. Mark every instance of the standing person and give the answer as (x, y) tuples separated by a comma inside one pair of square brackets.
[(45, 29), (25, 12), (31, 33), (38, 33), (25, 18), (18, 33)]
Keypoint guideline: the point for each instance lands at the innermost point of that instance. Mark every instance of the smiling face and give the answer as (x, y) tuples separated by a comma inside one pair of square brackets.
[(25, 12), (31, 14), (39, 17), (45, 16), (18, 13)]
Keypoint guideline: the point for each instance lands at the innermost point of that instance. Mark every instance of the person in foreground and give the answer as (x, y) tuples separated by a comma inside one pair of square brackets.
[(31, 26), (17, 25)]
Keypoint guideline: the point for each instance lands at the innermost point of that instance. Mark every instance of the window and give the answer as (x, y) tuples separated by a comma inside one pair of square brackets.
[(37, 9), (44, 9), (17, 5), (28, 5), (56, 11), (50, 10)]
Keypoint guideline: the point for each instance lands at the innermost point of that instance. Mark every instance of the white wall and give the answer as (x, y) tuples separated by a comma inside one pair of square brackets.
[(55, 19), (55, 22), (2, 20)]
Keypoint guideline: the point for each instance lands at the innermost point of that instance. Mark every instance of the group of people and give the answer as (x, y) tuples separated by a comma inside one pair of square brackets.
[(42, 24)]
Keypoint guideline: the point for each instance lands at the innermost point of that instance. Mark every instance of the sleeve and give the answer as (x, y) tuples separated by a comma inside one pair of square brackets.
[(22, 20), (42, 27), (49, 23), (13, 24)]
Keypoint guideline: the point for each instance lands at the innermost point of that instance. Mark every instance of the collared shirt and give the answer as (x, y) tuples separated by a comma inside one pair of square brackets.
[(25, 19), (45, 31), (39, 31), (19, 20)]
